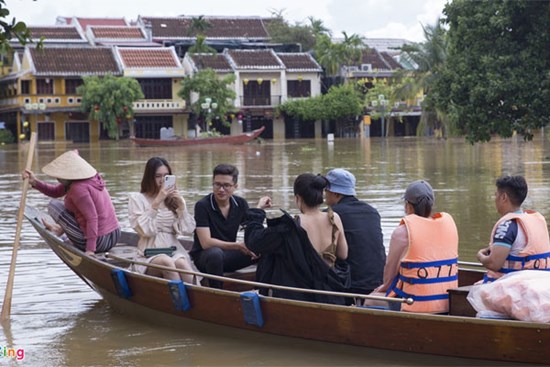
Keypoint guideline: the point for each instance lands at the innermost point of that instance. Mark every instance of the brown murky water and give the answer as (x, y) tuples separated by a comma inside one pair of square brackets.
[(58, 321)]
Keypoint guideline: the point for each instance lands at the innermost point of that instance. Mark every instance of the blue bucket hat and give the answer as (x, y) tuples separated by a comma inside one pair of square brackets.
[(341, 182)]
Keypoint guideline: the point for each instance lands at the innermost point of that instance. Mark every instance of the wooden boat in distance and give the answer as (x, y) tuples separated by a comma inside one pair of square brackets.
[(446, 335), (224, 139)]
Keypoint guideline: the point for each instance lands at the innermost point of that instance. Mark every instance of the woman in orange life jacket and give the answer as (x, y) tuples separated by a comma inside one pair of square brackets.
[(519, 239), (422, 258)]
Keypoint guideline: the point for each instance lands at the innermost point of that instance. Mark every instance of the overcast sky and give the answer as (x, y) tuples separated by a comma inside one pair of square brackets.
[(370, 18)]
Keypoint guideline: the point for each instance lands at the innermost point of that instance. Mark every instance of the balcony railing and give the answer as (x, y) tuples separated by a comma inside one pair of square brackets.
[(260, 101), (158, 105)]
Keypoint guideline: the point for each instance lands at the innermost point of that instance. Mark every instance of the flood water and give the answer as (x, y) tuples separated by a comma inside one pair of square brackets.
[(58, 321)]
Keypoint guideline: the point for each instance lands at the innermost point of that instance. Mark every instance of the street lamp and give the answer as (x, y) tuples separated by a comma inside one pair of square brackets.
[(208, 106), (383, 103)]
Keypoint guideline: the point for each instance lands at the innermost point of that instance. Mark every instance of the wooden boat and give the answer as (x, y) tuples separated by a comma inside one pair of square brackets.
[(225, 139), (447, 335)]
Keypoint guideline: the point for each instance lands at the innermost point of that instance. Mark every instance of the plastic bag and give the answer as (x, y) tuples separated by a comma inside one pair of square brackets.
[(522, 295)]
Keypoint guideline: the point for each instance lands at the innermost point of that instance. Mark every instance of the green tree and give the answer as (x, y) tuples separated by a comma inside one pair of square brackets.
[(198, 26), (281, 31), (200, 46), (206, 84), (340, 103), (429, 57), (332, 55), (497, 73), (109, 99), (9, 30)]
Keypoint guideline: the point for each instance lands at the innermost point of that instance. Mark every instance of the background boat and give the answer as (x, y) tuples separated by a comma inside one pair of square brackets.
[(224, 139)]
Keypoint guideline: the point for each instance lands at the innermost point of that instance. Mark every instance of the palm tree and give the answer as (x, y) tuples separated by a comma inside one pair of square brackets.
[(428, 57), (200, 46), (198, 26), (317, 27)]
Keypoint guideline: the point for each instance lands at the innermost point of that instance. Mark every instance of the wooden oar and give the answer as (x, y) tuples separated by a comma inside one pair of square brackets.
[(6, 306)]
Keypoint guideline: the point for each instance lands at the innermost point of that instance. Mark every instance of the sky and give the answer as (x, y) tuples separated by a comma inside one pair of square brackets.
[(369, 18)]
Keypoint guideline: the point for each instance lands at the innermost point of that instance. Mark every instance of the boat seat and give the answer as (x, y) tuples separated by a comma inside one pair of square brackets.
[(248, 273), (123, 250), (458, 302)]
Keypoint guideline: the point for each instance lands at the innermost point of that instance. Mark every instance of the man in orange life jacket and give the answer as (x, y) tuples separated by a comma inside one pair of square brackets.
[(519, 239), (423, 255)]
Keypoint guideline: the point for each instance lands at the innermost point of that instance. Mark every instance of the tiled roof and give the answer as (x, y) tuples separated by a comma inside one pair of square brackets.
[(213, 61), (85, 22), (220, 27), (73, 61), (117, 32), (55, 33), (299, 62), (371, 56), (149, 58), (390, 60), (254, 59)]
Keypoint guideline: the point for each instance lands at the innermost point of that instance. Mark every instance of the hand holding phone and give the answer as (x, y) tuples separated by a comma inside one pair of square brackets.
[(169, 181)]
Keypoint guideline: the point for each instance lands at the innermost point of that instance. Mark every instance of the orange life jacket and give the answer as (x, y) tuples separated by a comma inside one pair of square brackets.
[(430, 266), (535, 255)]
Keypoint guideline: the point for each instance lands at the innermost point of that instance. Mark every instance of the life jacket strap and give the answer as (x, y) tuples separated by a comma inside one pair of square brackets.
[(416, 298)]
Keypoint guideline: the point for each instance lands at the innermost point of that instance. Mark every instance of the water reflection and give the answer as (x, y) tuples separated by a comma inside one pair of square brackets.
[(61, 322)]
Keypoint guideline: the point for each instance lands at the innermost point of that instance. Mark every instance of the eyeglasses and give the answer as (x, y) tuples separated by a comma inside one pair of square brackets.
[(225, 186)]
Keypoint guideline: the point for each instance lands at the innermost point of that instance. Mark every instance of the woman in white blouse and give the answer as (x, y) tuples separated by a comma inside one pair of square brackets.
[(159, 214)]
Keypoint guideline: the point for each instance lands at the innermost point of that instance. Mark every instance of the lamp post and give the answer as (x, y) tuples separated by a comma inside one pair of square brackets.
[(383, 103), (208, 106)]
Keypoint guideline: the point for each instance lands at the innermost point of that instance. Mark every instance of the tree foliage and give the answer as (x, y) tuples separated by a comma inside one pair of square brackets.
[(430, 57), (497, 74), (341, 102), (280, 30), (332, 55), (9, 30), (200, 46), (109, 99), (207, 84)]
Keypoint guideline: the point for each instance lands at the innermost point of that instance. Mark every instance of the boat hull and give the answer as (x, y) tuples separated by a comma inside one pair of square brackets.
[(225, 139), (503, 340)]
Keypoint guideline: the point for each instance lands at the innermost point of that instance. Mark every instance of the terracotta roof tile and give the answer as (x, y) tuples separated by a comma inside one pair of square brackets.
[(221, 27), (85, 22), (213, 61), (149, 58), (74, 61), (254, 59), (371, 56), (299, 62), (55, 33), (117, 32)]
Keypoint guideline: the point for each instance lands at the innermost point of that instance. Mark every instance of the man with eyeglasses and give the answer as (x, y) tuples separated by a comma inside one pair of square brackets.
[(219, 216)]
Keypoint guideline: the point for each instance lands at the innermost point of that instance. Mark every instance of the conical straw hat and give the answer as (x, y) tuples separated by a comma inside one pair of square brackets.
[(69, 166)]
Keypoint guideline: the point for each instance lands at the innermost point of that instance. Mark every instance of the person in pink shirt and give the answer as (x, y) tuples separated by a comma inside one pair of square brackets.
[(86, 215)]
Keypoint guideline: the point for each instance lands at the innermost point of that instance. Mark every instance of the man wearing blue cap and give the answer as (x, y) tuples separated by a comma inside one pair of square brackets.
[(366, 254)]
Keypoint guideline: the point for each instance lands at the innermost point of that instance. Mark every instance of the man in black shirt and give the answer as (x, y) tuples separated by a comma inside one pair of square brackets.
[(219, 216), (366, 254)]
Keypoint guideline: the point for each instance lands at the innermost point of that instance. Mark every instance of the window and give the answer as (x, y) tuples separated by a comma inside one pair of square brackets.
[(256, 94), (44, 86), (25, 87), (299, 88), (156, 88), (71, 85)]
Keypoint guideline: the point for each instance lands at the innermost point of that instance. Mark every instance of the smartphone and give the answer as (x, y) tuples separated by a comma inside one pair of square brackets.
[(169, 181)]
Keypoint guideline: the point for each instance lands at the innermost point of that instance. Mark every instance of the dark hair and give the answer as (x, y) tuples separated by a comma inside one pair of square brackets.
[(226, 169), (423, 208), (148, 183), (515, 187), (310, 188)]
